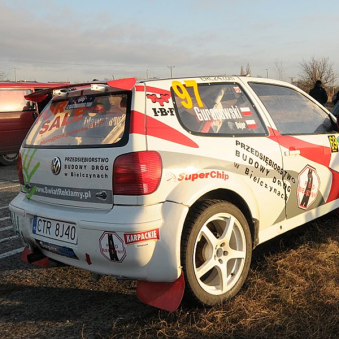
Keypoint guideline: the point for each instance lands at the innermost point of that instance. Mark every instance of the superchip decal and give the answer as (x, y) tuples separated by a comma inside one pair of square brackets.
[(158, 129), (215, 174), (141, 237)]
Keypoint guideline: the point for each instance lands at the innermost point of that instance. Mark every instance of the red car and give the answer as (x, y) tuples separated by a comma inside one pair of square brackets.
[(17, 115)]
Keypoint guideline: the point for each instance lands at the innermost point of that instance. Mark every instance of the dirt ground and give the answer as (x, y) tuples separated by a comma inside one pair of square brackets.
[(57, 302), (63, 302)]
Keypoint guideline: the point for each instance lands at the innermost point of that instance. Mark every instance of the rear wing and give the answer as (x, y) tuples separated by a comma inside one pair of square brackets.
[(122, 84)]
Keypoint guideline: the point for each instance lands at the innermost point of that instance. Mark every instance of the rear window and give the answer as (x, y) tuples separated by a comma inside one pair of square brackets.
[(13, 100), (216, 109), (84, 121)]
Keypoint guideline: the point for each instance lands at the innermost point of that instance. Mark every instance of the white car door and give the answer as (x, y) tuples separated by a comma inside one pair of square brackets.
[(308, 140)]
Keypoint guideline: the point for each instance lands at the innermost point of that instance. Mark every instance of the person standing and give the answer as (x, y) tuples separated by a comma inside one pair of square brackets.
[(319, 93)]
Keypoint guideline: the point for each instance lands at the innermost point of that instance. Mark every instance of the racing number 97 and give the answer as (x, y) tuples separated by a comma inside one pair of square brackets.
[(181, 91)]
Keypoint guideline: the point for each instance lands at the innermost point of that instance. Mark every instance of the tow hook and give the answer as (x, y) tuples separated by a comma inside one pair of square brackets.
[(35, 256)]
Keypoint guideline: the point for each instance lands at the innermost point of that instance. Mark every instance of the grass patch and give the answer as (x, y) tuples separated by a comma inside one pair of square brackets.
[(292, 292)]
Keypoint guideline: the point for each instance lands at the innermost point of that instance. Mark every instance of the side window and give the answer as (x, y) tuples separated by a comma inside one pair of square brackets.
[(12, 100), (292, 112), (215, 109)]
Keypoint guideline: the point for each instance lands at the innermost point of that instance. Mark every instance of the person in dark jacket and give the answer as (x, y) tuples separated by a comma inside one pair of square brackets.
[(335, 98), (319, 93)]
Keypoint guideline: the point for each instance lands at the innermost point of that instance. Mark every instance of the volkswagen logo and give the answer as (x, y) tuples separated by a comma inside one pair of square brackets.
[(56, 166)]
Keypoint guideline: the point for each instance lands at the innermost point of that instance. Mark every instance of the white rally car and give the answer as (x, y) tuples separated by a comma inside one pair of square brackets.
[(173, 182)]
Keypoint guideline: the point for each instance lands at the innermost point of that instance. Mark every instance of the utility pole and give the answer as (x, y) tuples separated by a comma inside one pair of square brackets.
[(15, 74), (171, 69)]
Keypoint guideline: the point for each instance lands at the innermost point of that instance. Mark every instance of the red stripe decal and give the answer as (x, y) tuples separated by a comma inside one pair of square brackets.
[(316, 153), (158, 129), (152, 90), (334, 193), (313, 152)]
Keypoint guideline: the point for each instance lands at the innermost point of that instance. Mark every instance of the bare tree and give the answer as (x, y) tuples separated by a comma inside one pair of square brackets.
[(248, 69), (3, 76), (317, 69), (242, 70), (279, 69)]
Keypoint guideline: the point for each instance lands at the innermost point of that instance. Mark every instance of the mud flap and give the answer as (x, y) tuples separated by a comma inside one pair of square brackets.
[(166, 296), (44, 262)]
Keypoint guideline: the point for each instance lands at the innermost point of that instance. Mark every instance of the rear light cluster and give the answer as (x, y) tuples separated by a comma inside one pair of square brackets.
[(137, 173), (19, 170)]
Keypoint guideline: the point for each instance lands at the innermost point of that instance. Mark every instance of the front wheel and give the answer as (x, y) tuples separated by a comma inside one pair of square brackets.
[(216, 252)]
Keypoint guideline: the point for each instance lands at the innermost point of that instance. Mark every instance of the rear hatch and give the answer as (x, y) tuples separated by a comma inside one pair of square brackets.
[(68, 155)]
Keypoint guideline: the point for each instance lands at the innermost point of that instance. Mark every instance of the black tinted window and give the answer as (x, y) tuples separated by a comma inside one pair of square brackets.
[(216, 109), (291, 111)]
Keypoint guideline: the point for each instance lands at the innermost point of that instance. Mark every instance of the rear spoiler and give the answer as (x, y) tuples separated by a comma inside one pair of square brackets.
[(122, 84)]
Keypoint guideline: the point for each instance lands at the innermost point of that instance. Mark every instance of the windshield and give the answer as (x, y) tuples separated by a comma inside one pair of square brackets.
[(84, 120)]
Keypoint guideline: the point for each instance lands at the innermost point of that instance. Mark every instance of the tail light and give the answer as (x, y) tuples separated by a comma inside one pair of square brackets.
[(137, 173), (19, 170)]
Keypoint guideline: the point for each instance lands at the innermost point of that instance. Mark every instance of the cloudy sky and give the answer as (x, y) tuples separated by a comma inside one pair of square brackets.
[(79, 40)]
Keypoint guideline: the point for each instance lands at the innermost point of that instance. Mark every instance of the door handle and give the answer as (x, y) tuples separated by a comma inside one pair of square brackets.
[(292, 152)]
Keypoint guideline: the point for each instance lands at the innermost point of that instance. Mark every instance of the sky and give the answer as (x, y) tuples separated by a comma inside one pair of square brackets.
[(81, 40)]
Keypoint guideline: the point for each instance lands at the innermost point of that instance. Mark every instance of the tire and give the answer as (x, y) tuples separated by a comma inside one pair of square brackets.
[(8, 159), (216, 252)]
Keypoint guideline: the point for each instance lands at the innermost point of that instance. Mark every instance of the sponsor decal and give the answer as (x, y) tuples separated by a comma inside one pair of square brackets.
[(263, 171), (68, 193), (61, 250), (86, 167), (83, 101), (161, 99), (138, 237), (208, 114), (333, 143), (112, 247), (163, 112), (216, 78), (215, 174), (237, 89), (308, 187)]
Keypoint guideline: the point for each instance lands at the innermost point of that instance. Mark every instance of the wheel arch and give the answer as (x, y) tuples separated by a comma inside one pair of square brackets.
[(235, 199)]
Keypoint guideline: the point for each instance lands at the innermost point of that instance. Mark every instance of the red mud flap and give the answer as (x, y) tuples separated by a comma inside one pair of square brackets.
[(166, 296), (44, 262)]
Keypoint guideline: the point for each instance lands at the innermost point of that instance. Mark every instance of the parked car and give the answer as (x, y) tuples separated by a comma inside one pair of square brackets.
[(17, 115), (173, 182)]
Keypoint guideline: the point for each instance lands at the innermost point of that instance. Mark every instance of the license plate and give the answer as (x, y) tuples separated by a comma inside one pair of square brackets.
[(55, 229)]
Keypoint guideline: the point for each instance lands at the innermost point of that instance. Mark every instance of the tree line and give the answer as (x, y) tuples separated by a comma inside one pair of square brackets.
[(310, 71)]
